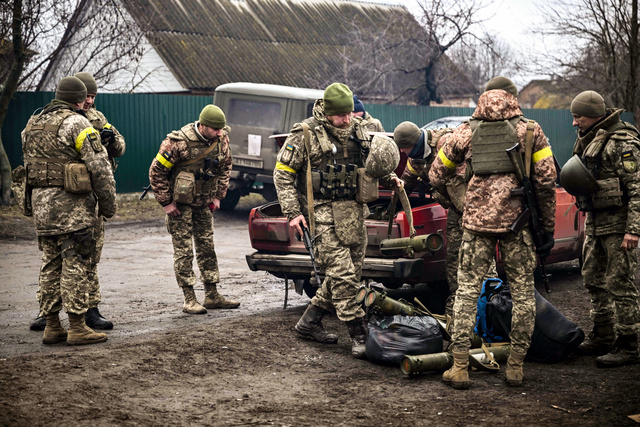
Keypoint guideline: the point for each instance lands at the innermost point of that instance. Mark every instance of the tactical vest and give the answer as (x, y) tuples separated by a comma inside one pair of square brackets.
[(611, 193), (336, 177), (44, 171), (205, 170), (489, 144)]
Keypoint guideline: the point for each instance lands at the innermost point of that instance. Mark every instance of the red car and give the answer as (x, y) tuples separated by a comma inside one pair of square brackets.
[(282, 254)]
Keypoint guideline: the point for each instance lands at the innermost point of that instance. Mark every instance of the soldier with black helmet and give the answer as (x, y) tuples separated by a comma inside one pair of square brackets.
[(604, 176)]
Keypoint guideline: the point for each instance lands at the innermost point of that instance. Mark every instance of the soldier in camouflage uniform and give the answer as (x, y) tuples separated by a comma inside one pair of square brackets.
[(489, 211), (189, 178), (115, 146), (610, 149), (336, 144), (69, 170), (370, 123)]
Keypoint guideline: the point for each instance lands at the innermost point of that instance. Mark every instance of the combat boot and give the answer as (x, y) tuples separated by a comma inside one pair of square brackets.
[(53, 331), (212, 299), (80, 333), (310, 325), (514, 371), (38, 324), (625, 352), (458, 375), (358, 335), (600, 341), (94, 319), (191, 304)]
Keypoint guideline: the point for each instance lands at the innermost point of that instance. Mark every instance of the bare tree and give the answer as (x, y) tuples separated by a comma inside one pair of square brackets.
[(484, 58), (405, 58), (603, 54), (108, 40)]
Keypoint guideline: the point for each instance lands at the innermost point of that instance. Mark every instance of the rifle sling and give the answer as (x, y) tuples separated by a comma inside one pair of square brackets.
[(201, 156), (528, 148), (307, 144)]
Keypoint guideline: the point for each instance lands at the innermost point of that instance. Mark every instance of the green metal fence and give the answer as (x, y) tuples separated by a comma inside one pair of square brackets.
[(146, 119)]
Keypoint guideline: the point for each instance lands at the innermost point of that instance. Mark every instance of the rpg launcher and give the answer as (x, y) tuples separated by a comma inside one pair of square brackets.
[(529, 215)]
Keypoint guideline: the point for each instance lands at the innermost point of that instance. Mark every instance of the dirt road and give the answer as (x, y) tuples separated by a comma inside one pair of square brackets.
[(246, 366)]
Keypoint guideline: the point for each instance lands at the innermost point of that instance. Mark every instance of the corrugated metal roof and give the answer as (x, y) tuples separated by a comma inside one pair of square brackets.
[(206, 43)]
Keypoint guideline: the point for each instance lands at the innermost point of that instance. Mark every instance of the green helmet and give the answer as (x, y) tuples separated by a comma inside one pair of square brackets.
[(576, 178), (383, 158)]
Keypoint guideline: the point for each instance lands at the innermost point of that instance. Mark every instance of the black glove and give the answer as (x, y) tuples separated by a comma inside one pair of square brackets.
[(545, 249), (107, 136)]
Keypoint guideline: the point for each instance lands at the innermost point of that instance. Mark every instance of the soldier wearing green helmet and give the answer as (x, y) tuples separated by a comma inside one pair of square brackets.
[(319, 177), (189, 177), (606, 153), (70, 180)]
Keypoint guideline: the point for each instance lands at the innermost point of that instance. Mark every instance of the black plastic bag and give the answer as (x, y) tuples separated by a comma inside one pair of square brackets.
[(390, 338)]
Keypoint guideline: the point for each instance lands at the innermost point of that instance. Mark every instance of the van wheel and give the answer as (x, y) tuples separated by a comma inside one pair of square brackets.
[(231, 200)]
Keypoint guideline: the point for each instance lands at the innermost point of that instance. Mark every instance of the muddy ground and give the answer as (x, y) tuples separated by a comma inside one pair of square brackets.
[(246, 366)]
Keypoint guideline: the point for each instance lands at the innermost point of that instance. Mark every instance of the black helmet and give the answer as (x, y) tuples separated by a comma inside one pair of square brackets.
[(576, 178)]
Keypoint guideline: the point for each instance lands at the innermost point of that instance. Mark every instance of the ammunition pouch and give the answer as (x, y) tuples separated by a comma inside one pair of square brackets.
[(336, 182), (81, 244), (21, 190), (45, 172), (348, 219), (367, 187), (609, 195), (184, 187), (77, 179)]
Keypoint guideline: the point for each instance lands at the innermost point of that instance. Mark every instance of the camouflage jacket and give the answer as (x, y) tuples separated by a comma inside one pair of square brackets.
[(371, 124), (99, 122), (174, 150), (489, 206), (417, 170), (56, 211), (615, 149), (289, 175)]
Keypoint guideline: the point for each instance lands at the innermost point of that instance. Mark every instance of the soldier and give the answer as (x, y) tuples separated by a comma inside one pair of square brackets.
[(490, 209), (609, 149), (68, 169), (115, 146), (189, 178), (370, 123), (319, 154)]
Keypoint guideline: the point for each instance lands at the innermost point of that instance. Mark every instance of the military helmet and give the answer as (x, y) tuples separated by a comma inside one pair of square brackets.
[(576, 178), (383, 157)]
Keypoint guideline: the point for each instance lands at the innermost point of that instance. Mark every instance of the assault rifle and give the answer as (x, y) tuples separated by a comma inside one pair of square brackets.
[(530, 213), (308, 243)]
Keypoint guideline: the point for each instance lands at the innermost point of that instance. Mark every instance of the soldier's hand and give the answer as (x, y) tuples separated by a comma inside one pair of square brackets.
[(171, 209), (545, 249), (295, 224), (214, 205), (107, 136), (630, 241)]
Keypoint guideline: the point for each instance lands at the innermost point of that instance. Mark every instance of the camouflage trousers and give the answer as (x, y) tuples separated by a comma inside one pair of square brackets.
[(194, 225), (608, 273), (342, 267), (63, 282), (476, 254), (94, 285), (454, 239)]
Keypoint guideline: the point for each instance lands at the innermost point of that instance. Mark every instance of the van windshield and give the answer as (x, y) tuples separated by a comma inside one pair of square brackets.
[(262, 114)]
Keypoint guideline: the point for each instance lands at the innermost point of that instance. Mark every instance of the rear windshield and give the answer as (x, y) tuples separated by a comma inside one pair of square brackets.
[(262, 114)]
